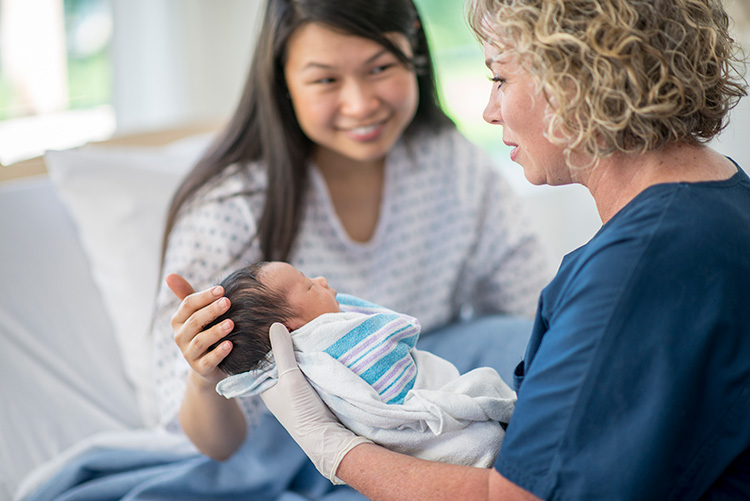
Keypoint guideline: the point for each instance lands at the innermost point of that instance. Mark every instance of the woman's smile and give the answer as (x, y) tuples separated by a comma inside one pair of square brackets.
[(366, 133)]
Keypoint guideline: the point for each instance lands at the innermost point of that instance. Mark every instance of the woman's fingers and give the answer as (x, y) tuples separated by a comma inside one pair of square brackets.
[(198, 346), (193, 308), (197, 310), (206, 364), (192, 336), (195, 340)]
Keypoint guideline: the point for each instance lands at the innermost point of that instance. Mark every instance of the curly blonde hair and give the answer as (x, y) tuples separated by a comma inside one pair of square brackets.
[(624, 75)]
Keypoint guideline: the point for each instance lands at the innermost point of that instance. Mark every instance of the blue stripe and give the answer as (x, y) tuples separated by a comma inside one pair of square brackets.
[(384, 363), (359, 333), (399, 399), (410, 341), (355, 301), (380, 366), (398, 380)]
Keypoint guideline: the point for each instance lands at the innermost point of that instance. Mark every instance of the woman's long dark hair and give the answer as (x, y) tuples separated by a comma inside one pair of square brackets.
[(264, 127)]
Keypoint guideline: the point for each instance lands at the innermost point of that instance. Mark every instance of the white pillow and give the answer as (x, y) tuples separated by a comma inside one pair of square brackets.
[(118, 198)]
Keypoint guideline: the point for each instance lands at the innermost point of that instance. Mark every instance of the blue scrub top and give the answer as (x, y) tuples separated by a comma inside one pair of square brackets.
[(636, 380)]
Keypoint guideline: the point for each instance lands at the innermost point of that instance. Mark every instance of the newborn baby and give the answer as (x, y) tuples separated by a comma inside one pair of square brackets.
[(362, 360)]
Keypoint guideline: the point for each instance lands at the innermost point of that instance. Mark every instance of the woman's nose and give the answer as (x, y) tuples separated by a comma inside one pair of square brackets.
[(492, 111), (358, 99)]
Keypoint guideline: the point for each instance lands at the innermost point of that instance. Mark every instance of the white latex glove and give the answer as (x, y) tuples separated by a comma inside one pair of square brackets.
[(304, 415)]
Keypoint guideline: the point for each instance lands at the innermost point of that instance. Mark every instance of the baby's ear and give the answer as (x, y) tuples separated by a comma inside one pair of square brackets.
[(293, 324)]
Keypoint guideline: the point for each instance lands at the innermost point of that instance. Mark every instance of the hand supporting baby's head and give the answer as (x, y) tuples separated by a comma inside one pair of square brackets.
[(254, 307), (260, 295)]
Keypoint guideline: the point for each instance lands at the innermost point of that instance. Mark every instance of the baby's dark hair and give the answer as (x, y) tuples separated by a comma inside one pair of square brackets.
[(254, 308)]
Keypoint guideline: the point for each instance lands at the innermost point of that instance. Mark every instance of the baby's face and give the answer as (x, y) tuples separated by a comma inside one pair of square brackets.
[(309, 298)]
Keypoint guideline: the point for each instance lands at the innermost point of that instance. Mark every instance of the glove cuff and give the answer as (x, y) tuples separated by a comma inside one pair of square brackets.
[(355, 441)]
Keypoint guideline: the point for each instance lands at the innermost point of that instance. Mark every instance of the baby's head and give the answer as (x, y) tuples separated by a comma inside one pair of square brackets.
[(308, 298), (264, 293)]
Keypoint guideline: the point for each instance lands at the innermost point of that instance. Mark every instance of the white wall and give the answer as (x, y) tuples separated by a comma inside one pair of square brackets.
[(179, 61), (734, 141)]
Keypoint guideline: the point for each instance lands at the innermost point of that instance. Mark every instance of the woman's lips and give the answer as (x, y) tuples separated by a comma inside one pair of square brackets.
[(366, 132), (514, 151)]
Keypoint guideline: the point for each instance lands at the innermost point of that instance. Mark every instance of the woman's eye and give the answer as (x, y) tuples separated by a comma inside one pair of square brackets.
[(324, 81), (380, 69), (497, 80)]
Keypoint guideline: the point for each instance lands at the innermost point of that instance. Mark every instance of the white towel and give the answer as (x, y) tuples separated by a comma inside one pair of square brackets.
[(444, 416)]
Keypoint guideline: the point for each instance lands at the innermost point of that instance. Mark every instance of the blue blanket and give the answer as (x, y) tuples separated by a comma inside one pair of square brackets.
[(271, 467)]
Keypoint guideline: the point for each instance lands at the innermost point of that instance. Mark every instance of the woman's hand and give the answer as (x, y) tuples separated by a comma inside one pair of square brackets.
[(301, 411), (196, 311), (214, 424)]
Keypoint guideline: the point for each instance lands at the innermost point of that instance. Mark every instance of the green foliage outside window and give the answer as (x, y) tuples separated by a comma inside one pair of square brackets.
[(88, 26), (7, 98), (462, 76)]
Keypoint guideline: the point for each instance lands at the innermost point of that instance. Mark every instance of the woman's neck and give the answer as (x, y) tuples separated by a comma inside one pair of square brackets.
[(337, 167), (356, 191), (618, 179)]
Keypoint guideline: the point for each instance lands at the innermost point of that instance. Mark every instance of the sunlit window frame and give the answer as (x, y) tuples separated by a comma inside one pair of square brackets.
[(54, 125)]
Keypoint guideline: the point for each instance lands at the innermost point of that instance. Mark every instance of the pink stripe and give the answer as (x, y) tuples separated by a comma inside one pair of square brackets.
[(376, 337), (396, 389), (378, 353), (391, 374)]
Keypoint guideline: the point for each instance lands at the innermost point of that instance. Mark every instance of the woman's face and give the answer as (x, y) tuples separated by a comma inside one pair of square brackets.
[(352, 97), (518, 105)]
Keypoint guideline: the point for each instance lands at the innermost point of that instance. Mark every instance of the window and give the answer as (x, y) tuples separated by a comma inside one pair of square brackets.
[(463, 82), (55, 75), (461, 73)]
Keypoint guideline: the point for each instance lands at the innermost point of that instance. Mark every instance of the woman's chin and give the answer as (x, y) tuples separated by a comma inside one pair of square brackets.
[(534, 178)]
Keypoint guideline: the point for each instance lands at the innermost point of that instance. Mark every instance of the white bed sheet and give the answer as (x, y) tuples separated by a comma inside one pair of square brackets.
[(59, 383)]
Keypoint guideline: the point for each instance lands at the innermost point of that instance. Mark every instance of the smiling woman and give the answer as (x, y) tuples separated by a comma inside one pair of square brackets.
[(340, 161), (354, 99)]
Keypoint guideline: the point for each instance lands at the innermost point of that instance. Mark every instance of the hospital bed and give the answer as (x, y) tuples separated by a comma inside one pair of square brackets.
[(80, 234)]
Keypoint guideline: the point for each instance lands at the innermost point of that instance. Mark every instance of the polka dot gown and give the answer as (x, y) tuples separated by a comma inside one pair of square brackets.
[(451, 234)]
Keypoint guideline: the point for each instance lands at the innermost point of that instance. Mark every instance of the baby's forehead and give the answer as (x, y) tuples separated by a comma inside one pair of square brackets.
[(279, 275)]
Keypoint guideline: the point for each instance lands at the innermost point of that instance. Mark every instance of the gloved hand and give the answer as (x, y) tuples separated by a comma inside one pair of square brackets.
[(304, 415)]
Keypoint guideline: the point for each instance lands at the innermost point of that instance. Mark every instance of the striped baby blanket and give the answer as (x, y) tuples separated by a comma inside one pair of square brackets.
[(364, 364)]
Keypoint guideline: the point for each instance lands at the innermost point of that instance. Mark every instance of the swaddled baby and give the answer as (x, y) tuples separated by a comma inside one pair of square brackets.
[(362, 361)]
